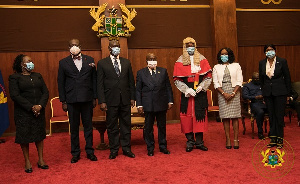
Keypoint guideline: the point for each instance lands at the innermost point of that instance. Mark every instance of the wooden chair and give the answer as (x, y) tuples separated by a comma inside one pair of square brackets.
[(137, 120), (211, 107), (291, 105), (58, 115), (246, 112)]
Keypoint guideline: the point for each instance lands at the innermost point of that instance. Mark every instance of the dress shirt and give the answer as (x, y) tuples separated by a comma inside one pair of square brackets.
[(113, 61), (78, 62)]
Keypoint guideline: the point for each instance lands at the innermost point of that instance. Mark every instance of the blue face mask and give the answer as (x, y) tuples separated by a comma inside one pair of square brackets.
[(29, 66), (115, 51), (270, 54), (224, 58), (190, 50)]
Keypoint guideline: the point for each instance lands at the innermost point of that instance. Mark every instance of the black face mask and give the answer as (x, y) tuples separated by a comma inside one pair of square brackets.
[(256, 82)]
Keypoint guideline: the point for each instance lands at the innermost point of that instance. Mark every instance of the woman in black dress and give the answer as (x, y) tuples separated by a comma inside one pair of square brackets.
[(30, 95)]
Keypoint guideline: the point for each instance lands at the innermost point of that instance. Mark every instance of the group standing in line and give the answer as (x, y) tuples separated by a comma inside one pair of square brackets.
[(113, 84)]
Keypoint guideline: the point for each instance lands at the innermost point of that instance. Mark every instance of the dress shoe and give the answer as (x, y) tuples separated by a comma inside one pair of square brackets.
[(189, 149), (128, 154), (164, 151), (202, 147), (75, 159), (28, 170), (92, 157), (43, 166), (150, 153), (261, 136), (113, 155), (228, 147), (279, 146)]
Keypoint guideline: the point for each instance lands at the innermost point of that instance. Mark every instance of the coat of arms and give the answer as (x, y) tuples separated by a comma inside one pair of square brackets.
[(113, 26), (272, 158)]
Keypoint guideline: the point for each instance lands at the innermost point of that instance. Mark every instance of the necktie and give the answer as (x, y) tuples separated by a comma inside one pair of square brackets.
[(76, 57), (116, 66), (153, 73)]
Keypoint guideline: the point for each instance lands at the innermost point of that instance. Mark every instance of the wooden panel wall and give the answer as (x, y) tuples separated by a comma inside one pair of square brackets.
[(46, 63)]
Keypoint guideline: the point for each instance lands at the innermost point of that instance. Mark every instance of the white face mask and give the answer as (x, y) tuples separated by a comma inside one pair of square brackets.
[(152, 64), (75, 50)]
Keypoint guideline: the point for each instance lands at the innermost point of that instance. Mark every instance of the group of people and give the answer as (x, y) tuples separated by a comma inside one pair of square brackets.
[(113, 84)]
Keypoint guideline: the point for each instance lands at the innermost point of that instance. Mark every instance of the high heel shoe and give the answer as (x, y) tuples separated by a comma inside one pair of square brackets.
[(228, 147), (236, 147), (29, 170), (43, 166)]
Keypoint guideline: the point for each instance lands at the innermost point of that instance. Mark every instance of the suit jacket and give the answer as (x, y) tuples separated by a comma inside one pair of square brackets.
[(153, 93), (111, 88), (280, 83), (75, 86)]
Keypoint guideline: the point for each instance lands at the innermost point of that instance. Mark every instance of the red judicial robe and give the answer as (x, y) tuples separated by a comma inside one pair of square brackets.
[(188, 120)]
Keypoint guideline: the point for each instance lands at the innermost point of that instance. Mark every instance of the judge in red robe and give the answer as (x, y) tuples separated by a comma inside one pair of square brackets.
[(192, 76)]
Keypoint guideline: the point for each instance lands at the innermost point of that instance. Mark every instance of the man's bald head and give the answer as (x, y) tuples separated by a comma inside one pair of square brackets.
[(114, 43), (150, 57), (74, 42)]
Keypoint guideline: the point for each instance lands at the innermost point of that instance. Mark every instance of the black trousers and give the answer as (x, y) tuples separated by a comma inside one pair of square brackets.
[(259, 109), (191, 139), (276, 108), (85, 110), (118, 122), (148, 129)]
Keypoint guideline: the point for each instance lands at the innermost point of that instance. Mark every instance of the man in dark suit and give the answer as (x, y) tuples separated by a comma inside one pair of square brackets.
[(116, 93), (154, 96), (78, 93), (275, 82), (252, 91)]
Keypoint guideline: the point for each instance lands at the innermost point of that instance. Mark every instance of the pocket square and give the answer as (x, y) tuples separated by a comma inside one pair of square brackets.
[(92, 64)]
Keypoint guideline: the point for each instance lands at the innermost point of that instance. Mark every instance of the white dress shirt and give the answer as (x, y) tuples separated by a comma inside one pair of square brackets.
[(78, 63), (113, 61)]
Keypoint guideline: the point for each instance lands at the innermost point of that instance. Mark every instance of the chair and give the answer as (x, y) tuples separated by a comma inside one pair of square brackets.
[(246, 112), (211, 107), (58, 115), (137, 120), (291, 105)]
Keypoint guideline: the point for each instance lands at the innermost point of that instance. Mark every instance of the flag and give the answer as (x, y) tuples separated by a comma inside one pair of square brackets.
[(4, 120)]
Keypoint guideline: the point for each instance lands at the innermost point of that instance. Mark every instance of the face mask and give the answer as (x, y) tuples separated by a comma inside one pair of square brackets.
[(75, 50), (224, 58), (115, 51), (270, 54), (190, 50), (152, 64), (29, 66)]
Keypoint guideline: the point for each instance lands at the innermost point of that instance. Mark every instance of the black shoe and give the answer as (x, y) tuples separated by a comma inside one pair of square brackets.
[(236, 147), (43, 166), (92, 157), (189, 149), (261, 136), (113, 155), (75, 159), (279, 146), (28, 170), (165, 151), (202, 147), (128, 154), (150, 153), (228, 147)]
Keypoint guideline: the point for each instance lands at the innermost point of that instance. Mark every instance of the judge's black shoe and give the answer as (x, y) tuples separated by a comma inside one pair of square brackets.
[(164, 151), (113, 155), (202, 147), (75, 159), (128, 154), (43, 166), (189, 149), (150, 153), (28, 170), (261, 136), (92, 157)]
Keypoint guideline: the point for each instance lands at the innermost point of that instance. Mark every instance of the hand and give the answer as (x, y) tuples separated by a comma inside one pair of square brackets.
[(36, 110), (65, 107), (94, 103), (140, 110), (190, 92), (103, 107), (170, 106), (199, 88), (132, 102), (227, 96), (259, 97)]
